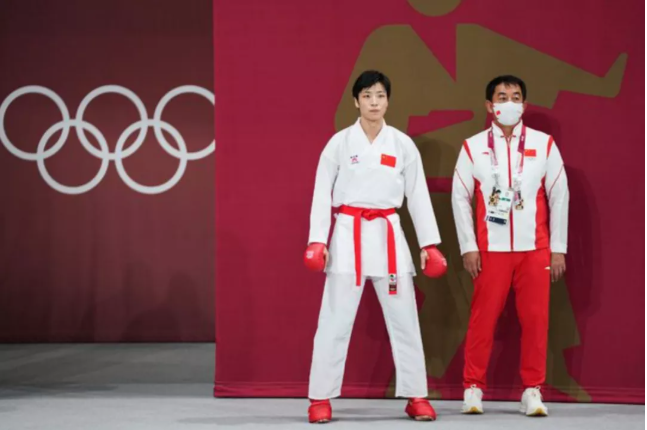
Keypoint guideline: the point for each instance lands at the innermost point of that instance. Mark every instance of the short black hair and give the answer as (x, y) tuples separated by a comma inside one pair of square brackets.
[(369, 78), (507, 80)]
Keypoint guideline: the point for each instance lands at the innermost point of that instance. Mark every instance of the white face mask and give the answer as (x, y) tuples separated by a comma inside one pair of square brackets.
[(508, 113)]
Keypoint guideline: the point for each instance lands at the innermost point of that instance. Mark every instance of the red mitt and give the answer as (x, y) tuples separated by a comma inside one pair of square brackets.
[(314, 257), (436, 265)]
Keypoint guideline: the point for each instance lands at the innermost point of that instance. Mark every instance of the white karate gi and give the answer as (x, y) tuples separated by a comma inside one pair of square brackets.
[(354, 172)]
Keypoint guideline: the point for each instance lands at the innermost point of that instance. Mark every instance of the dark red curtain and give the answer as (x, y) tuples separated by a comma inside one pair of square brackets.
[(112, 262), (282, 74)]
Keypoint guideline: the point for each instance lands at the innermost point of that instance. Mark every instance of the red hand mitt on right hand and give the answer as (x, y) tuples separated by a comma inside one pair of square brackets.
[(314, 257)]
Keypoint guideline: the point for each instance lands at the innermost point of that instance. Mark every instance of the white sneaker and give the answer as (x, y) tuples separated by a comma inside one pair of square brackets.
[(473, 401), (531, 403)]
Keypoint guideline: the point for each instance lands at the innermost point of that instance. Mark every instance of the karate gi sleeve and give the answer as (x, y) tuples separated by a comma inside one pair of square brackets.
[(419, 201), (462, 193), (558, 197), (320, 212)]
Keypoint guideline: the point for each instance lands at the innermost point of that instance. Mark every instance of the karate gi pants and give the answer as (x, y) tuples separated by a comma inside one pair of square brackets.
[(339, 305)]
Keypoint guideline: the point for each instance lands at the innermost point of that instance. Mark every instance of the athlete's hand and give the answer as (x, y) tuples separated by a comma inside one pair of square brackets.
[(316, 257)]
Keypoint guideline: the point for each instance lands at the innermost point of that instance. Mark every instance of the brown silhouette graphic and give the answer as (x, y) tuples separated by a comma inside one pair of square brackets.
[(422, 85)]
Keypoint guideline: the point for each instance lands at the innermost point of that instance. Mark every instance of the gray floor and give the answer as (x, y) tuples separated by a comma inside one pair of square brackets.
[(154, 386)]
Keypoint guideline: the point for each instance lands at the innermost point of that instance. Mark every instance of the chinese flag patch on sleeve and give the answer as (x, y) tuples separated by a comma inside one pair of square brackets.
[(388, 160)]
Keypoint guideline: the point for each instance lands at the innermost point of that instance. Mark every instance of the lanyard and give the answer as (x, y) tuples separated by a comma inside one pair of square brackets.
[(520, 159)]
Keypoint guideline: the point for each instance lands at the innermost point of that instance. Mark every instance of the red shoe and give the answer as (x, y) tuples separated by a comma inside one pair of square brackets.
[(319, 411), (420, 410)]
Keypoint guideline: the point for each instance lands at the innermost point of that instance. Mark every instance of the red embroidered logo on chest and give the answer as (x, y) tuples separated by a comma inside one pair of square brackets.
[(530, 153), (387, 160)]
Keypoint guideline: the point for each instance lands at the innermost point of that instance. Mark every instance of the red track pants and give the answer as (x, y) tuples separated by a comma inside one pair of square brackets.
[(529, 274)]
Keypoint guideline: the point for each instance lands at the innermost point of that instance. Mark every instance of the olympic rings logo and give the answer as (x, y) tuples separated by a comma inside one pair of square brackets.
[(103, 152)]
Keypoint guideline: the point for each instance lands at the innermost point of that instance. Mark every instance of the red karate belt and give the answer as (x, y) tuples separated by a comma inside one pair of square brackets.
[(370, 215)]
